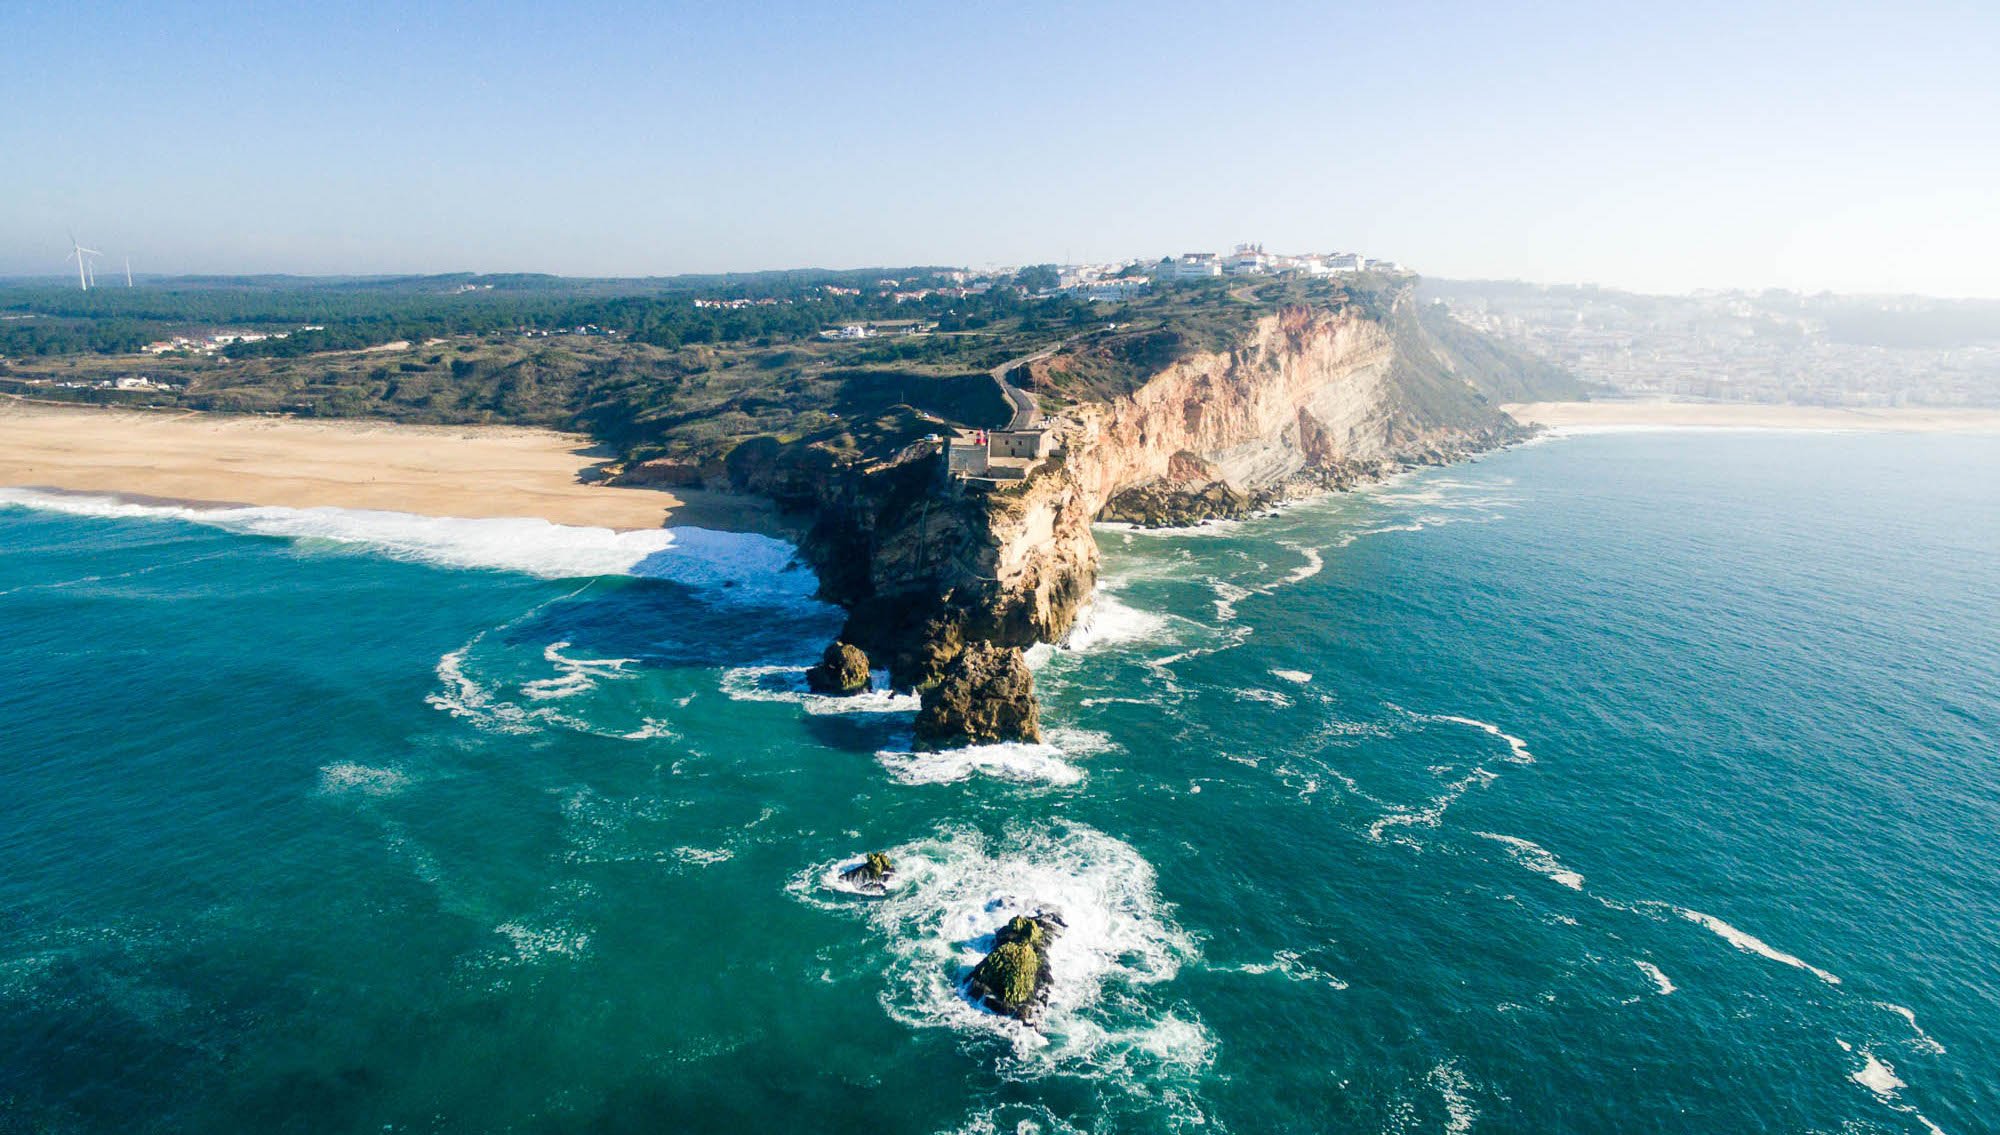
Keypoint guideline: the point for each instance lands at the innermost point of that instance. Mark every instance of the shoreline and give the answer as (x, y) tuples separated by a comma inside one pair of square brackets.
[(198, 460), (1611, 416)]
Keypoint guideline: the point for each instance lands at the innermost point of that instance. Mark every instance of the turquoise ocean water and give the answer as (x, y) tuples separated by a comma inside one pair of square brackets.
[(1632, 782)]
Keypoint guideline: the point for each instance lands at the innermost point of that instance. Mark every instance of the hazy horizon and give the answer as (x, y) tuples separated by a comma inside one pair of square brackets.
[(1842, 149)]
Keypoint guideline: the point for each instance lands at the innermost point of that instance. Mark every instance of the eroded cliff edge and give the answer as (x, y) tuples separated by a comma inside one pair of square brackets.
[(948, 579)]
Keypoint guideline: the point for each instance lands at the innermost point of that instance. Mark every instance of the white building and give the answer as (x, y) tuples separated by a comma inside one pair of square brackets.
[(1197, 266), (1247, 260)]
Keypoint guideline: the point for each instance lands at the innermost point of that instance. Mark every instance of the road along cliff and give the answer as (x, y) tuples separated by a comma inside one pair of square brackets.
[(947, 577)]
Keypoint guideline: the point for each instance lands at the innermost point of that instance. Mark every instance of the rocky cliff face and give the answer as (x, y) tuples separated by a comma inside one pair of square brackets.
[(1311, 399)]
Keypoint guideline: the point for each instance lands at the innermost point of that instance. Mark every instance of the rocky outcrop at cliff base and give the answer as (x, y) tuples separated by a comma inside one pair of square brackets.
[(985, 694), (842, 670)]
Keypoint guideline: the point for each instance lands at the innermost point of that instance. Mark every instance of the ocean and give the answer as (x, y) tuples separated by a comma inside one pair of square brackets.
[(1617, 782)]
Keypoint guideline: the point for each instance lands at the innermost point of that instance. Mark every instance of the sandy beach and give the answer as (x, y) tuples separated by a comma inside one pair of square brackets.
[(464, 471), (1736, 415)]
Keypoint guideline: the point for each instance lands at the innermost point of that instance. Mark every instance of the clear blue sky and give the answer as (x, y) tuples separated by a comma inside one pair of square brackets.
[(1665, 148)]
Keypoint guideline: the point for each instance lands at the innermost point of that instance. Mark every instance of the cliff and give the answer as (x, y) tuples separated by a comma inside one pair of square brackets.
[(1308, 398)]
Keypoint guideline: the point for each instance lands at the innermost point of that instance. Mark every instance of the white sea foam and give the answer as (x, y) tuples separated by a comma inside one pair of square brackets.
[(1924, 1042), (1313, 566), (535, 943), (955, 889), (788, 684), (1110, 622), (1538, 859), (348, 776), (464, 697), (702, 856), (1227, 596), (1268, 697), (1751, 944), (1289, 964), (1297, 676), (1429, 815), (1659, 979), (1517, 749), (574, 675), (1046, 762), (744, 564), (1878, 1076)]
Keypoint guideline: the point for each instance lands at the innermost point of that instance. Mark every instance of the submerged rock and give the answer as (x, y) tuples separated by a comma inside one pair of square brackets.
[(842, 670), (985, 694), (871, 874), (1014, 979)]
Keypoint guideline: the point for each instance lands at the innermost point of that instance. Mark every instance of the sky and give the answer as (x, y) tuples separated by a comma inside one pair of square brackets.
[(1664, 147)]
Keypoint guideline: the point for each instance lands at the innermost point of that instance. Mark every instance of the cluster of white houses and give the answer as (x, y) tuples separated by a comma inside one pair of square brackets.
[(1113, 282), (1252, 260)]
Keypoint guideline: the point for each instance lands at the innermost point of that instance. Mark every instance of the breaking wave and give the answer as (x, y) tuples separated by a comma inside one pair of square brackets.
[(1045, 762), (751, 566), (788, 684)]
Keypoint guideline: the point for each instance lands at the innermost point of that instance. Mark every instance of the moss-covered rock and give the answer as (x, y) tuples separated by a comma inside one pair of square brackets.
[(842, 670), (1014, 979), (872, 873)]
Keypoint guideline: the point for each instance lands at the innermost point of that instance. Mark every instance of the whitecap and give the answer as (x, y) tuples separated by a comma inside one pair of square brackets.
[(1538, 859), (702, 856), (746, 565), (1878, 1076), (1299, 677), (1752, 945), (1268, 697), (1517, 749), (1660, 979), (1924, 1042)]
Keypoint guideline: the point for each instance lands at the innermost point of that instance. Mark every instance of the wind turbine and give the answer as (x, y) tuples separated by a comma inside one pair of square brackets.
[(84, 276)]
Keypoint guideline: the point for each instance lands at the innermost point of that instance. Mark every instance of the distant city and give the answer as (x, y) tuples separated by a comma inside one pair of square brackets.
[(1764, 347)]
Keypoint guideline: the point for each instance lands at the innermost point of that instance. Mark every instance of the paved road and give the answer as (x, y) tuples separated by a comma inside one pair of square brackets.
[(1027, 415)]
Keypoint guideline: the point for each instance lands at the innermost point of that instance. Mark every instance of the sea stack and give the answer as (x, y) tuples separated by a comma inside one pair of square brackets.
[(986, 694), (1014, 979), (841, 671), (871, 874)]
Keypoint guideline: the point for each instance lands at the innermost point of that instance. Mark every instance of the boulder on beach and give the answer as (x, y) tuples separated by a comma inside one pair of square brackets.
[(1014, 979), (871, 874), (842, 670)]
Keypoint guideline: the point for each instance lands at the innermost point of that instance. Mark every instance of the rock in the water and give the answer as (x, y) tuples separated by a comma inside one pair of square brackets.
[(985, 694), (871, 874), (1014, 978), (842, 670)]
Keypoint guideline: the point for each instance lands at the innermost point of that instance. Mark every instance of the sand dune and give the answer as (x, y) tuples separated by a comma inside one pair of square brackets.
[(468, 471)]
